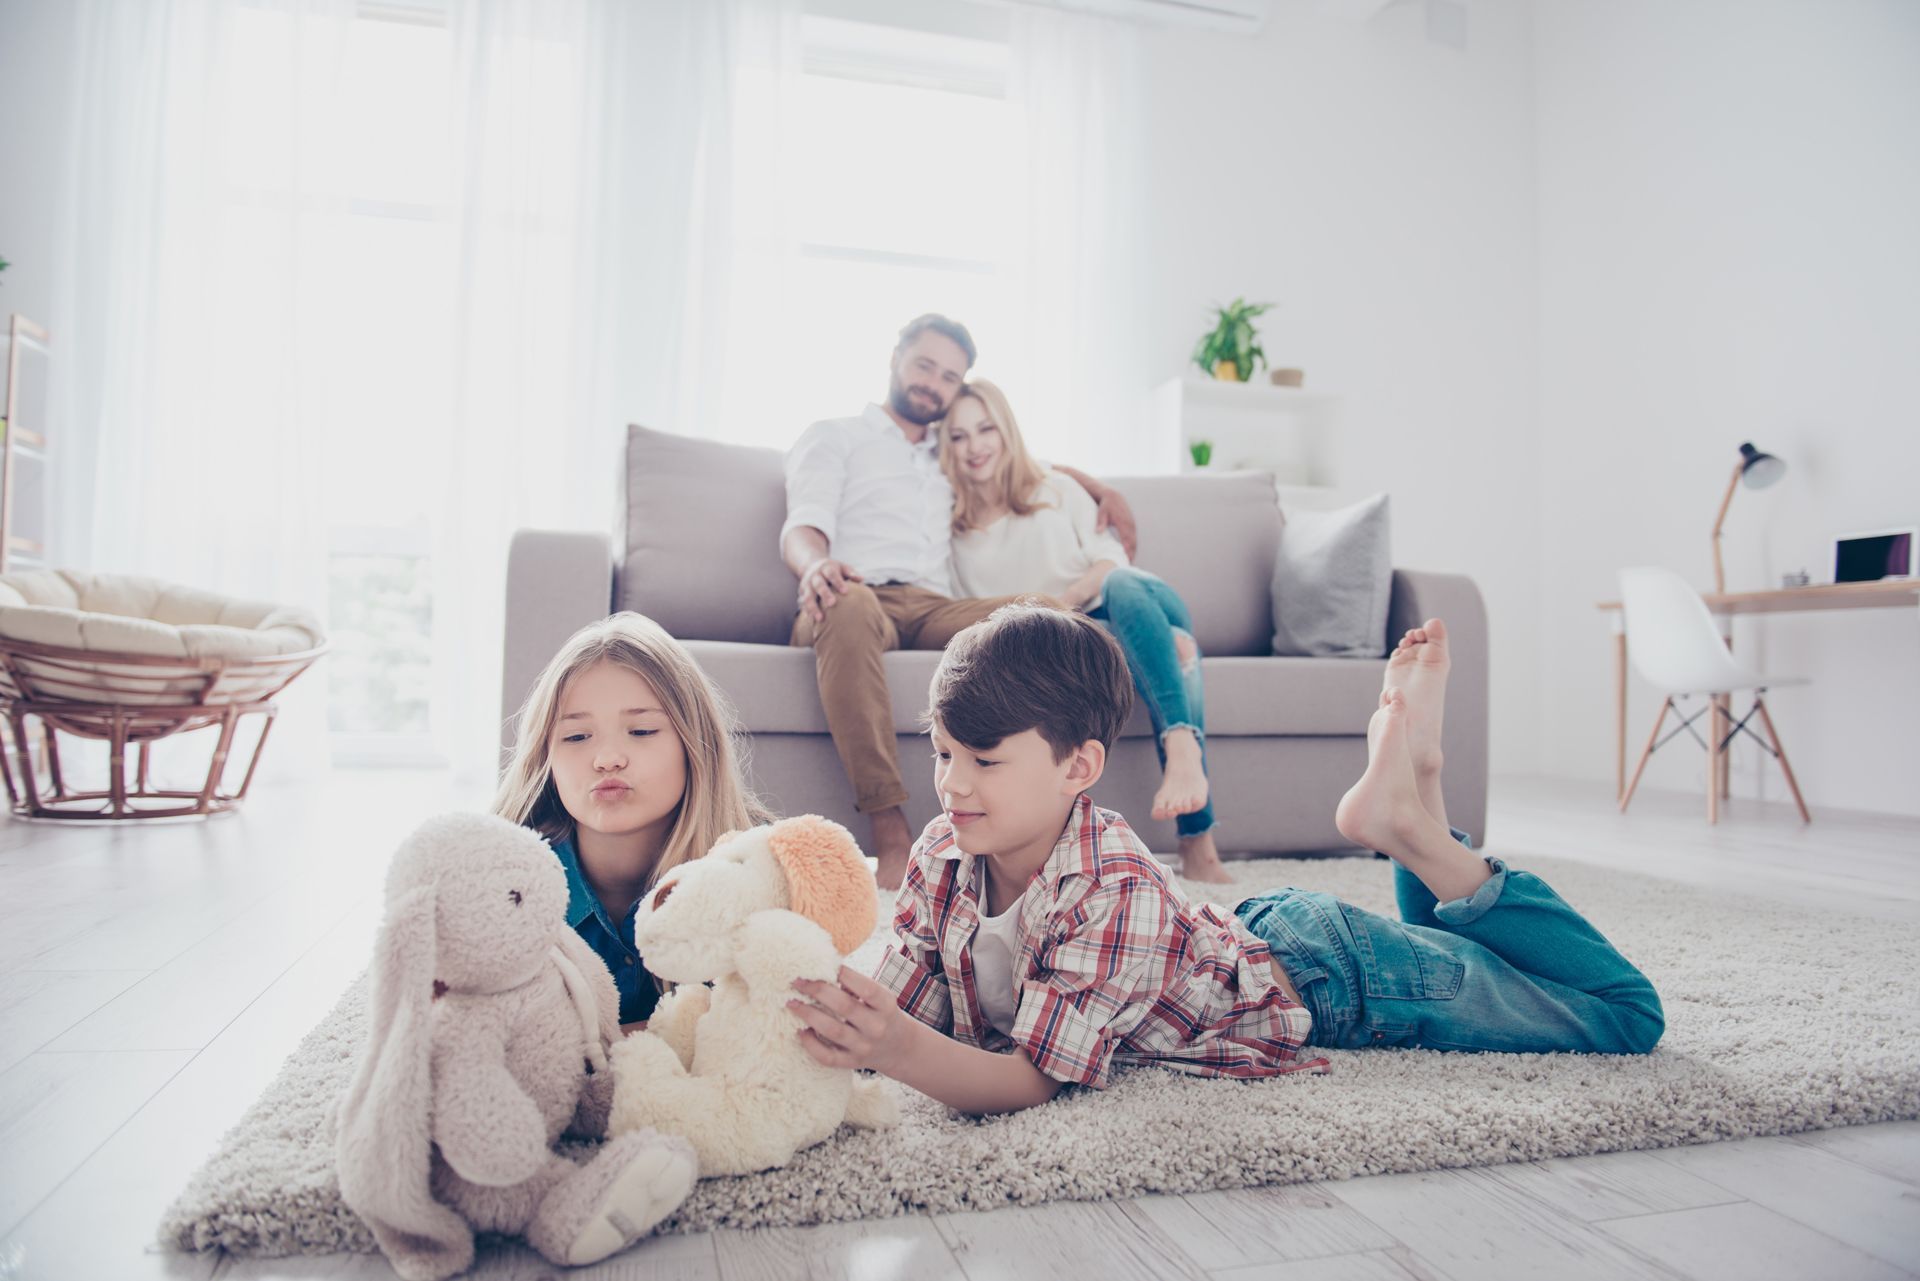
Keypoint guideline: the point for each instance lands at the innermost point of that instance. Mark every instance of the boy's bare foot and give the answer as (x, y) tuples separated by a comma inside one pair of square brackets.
[(892, 843), (1380, 810), (1418, 667), (1183, 786), (1200, 860), (1384, 812)]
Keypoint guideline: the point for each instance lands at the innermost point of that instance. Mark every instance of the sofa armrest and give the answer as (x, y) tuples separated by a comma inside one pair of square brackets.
[(558, 581), (1453, 598)]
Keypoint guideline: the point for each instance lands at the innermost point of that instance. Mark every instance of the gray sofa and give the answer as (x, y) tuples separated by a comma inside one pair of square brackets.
[(696, 550)]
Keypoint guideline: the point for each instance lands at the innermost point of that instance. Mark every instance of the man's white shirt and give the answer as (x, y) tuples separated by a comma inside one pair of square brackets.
[(882, 501)]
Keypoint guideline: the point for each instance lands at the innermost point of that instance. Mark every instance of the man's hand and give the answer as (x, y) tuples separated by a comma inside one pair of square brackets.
[(856, 1024), (1115, 514), (823, 583), (1111, 510)]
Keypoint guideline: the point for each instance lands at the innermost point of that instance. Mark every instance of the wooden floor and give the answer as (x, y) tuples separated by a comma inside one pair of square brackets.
[(152, 980)]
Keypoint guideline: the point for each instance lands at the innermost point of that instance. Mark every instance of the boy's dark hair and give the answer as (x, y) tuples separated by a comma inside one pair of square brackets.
[(939, 324), (1032, 666)]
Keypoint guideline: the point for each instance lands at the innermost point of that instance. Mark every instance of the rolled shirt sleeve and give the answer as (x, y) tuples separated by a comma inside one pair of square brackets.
[(816, 469), (911, 968), (1098, 975)]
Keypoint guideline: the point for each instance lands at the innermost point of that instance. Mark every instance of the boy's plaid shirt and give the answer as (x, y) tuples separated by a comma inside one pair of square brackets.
[(1116, 966)]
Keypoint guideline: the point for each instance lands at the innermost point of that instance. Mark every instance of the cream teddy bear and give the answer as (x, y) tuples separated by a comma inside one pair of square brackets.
[(488, 1032), (724, 1067)]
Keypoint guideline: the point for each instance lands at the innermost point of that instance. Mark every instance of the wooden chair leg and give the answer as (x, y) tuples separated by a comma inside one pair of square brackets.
[(117, 765), (1726, 753), (1658, 721), (217, 770), (1787, 769), (52, 740), (29, 780), (1713, 759), (259, 745)]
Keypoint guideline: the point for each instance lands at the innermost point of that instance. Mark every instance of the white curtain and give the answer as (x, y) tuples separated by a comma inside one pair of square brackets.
[(191, 400), (600, 207), (586, 130), (1076, 79), (233, 339)]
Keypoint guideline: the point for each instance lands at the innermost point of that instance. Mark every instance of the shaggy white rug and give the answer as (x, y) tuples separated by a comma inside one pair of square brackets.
[(1778, 1020)]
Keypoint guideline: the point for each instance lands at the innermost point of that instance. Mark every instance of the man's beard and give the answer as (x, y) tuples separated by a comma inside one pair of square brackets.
[(904, 405)]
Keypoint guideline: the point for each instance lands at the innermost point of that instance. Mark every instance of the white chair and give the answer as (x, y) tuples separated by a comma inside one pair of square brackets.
[(1677, 649)]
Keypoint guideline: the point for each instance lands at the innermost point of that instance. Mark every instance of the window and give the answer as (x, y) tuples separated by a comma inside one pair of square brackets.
[(906, 169), (375, 220)]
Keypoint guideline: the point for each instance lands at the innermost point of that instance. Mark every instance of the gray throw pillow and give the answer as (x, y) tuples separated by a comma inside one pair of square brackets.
[(1332, 582)]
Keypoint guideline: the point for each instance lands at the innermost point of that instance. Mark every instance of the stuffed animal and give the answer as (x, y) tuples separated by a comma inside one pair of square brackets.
[(723, 1066), (488, 1031)]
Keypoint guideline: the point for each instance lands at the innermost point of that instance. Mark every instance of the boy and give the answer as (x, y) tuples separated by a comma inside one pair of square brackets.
[(1040, 944)]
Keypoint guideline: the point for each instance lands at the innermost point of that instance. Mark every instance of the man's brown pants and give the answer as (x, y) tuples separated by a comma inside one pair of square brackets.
[(847, 645)]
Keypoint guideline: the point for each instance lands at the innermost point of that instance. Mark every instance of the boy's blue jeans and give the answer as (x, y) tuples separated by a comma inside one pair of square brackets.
[(1510, 968), (1144, 613)]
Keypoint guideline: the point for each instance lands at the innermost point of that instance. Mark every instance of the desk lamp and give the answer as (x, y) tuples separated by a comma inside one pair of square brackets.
[(1759, 470)]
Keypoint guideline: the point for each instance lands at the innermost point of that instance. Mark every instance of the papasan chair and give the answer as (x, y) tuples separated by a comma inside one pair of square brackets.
[(129, 661)]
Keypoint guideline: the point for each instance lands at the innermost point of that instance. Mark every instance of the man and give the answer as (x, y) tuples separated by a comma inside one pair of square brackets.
[(869, 517)]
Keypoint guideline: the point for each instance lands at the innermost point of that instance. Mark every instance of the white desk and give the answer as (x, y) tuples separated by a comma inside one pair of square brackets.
[(1888, 593)]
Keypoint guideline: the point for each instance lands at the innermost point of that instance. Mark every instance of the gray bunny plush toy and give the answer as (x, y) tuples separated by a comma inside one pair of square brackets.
[(488, 1039)]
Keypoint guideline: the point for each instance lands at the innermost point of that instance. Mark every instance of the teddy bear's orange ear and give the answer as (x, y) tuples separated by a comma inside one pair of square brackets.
[(827, 879)]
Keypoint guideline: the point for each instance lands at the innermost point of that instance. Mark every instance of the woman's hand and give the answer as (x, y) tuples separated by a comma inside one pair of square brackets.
[(855, 1024), (1086, 589)]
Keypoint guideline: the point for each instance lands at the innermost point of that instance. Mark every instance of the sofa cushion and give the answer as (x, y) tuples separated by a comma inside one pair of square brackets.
[(1213, 538), (774, 691), (1333, 582), (701, 528)]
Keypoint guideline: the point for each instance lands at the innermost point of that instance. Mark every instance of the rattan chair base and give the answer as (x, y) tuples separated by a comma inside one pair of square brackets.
[(32, 798), (130, 699)]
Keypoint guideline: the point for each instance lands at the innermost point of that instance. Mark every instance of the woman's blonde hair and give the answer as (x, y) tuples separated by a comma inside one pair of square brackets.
[(1019, 479), (716, 800)]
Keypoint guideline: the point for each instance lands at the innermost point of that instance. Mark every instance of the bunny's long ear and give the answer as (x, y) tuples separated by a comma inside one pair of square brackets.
[(383, 1147), (605, 997)]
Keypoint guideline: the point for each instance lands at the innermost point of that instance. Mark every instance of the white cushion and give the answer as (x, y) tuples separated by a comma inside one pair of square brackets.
[(127, 614)]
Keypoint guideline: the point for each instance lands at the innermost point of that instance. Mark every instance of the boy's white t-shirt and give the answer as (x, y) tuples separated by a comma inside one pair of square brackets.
[(996, 946)]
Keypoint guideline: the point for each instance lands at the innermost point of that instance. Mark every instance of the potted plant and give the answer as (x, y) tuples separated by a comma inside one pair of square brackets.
[(1231, 352)]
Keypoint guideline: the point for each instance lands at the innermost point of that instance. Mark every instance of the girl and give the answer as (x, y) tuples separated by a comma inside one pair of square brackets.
[(625, 761), (1018, 527)]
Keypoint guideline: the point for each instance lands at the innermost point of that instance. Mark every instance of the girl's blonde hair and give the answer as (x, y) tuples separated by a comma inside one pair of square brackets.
[(1019, 479), (716, 800)]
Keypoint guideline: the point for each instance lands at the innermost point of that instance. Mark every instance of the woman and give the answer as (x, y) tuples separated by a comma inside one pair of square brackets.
[(1019, 526)]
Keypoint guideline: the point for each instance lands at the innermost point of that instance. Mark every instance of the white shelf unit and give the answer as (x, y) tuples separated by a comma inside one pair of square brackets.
[(23, 448), (1253, 426)]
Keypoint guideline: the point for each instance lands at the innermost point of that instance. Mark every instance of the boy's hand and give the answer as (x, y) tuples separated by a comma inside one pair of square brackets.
[(855, 1024)]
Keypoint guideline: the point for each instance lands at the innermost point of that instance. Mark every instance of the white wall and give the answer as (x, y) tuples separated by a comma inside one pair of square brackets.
[(1729, 216), (36, 49), (1380, 188)]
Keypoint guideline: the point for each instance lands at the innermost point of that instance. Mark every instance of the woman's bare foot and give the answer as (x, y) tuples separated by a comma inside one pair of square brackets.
[(1418, 667), (1384, 812), (1183, 785), (1200, 860)]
